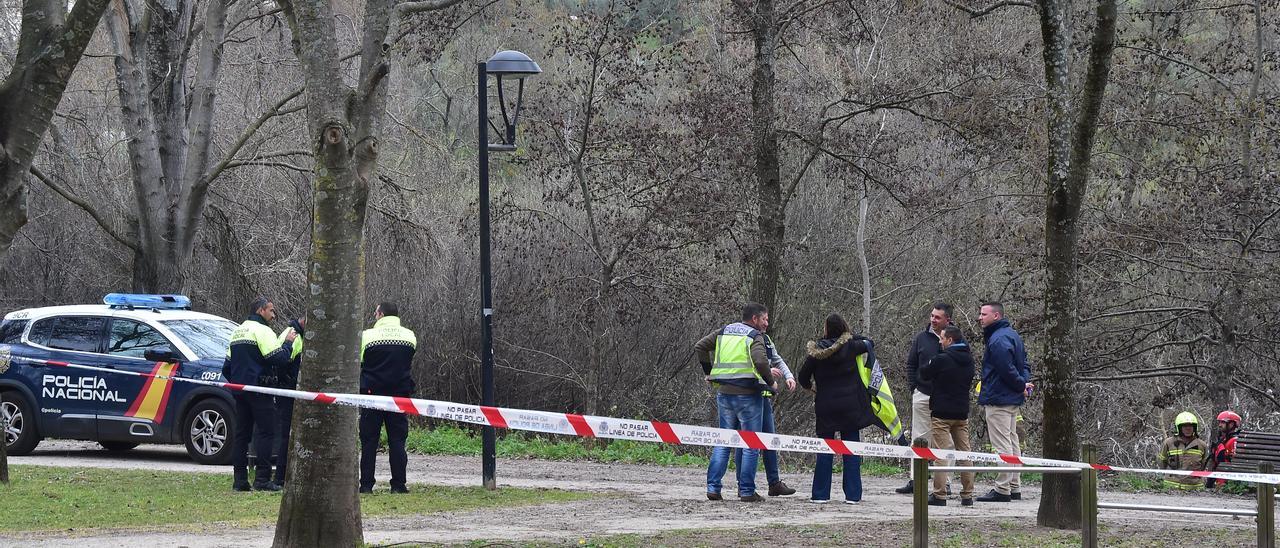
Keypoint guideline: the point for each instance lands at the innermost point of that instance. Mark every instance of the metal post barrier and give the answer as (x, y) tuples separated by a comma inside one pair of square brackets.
[(920, 498), (1089, 498), (1178, 509), (1266, 510)]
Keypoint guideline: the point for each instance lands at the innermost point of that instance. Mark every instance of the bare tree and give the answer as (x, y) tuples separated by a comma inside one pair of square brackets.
[(167, 98), (628, 182), (1178, 310), (321, 505), (50, 44), (1071, 132)]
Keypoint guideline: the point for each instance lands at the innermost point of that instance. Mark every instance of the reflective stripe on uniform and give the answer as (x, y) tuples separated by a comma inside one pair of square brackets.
[(387, 331)]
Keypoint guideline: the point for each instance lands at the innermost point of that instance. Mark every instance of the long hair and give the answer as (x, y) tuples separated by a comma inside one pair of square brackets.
[(835, 326)]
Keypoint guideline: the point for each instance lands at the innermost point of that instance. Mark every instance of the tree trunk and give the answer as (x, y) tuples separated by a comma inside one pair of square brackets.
[(320, 505), (596, 351), (50, 44), (766, 264), (1068, 175), (159, 270), (864, 202), (1230, 307), (168, 143)]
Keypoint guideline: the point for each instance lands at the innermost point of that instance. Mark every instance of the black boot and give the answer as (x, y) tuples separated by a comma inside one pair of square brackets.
[(262, 480), (241, 481), (906, 489)]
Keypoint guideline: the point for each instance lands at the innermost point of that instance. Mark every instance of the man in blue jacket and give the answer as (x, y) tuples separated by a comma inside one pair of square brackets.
[(1005, 383)]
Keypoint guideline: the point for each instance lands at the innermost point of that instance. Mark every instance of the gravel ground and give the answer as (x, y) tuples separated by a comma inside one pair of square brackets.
[(659, 504)]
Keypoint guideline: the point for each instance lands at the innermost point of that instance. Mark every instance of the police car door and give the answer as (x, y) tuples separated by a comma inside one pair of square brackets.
[(68, 399), (137, 416)]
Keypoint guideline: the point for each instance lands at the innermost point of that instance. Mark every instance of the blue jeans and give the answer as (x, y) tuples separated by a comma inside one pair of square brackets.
[(852, 482), (770, 456), (737, 412)]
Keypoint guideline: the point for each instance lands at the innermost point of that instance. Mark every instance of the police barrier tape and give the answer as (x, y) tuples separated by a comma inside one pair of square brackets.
[(589, 426)]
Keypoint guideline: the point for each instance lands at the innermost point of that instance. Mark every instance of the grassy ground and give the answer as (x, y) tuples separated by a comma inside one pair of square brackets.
[(956, 534), (453, 440), (61, 499)]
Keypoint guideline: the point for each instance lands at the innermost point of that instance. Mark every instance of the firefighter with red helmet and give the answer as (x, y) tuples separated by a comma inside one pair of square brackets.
[(1224, 445)]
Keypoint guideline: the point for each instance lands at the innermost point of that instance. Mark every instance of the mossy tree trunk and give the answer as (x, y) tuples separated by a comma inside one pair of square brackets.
[(320, 506), (1071, 136)]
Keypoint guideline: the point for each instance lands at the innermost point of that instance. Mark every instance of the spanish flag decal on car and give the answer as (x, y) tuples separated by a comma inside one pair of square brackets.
[(153, 399)]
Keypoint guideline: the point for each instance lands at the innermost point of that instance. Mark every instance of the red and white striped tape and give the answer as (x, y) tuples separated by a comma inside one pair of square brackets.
[(589, 426)]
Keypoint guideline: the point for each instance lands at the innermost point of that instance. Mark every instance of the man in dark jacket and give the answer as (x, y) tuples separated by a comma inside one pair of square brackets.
[(1005, 383), (386, 360), (254, 352), (287, 378), (923, 348), (951, 373)]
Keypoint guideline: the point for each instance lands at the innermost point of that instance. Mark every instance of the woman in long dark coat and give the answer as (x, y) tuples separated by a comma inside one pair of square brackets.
[(840, 402)]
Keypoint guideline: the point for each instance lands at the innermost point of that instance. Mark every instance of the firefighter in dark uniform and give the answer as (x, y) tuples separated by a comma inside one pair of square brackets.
[(253, 356), (287, 379), (386, 357)]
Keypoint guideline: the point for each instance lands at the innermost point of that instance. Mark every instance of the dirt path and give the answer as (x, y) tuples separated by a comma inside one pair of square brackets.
[(635, 499)]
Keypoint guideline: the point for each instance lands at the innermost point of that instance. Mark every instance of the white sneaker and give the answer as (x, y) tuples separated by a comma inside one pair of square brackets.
[(852, 501), (819, 501)]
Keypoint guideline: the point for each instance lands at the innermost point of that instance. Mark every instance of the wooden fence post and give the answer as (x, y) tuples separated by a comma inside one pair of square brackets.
[(1266, 509), (920, 498), (1089, 498)]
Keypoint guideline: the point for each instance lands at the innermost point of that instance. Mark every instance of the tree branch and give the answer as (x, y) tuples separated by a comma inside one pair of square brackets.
[(1192, 376), (248, 132), (88, 208), (976, 13), (1257, 391), (1166, 57), (1145, 311), (393, 26), (267, 163)]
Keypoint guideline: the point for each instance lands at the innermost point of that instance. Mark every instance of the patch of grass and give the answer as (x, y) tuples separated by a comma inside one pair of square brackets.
[(880, 468), (1010, 535), (453, 440), (1134, 482), (1238, 488), (66, 499)]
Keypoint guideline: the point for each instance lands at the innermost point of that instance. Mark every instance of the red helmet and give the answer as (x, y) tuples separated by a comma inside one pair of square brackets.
[(1230, 416)]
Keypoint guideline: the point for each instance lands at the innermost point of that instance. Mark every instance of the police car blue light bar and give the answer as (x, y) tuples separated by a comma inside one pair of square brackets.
[(130, 300)]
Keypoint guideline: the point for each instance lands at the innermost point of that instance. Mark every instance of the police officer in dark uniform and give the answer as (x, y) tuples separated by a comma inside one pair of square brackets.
[(287, 378), (253, 355), (386, 358)]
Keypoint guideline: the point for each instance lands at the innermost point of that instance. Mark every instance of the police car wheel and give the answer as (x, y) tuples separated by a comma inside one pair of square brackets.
[(117, 445), (207, 432), (20, 436)]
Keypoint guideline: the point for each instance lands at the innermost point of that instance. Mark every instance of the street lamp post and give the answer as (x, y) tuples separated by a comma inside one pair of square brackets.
[(511, 64)]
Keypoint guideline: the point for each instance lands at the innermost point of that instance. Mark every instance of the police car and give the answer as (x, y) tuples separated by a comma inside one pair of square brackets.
[(155, 334)]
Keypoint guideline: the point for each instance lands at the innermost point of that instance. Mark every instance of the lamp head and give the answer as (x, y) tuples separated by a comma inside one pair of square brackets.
[(512, 64)]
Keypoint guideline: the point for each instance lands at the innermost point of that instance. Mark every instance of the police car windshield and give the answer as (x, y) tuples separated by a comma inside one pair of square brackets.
[(207, 338)]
